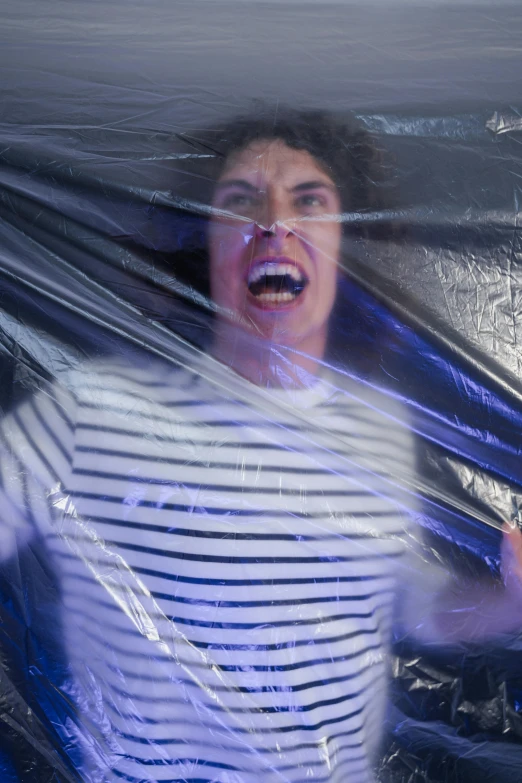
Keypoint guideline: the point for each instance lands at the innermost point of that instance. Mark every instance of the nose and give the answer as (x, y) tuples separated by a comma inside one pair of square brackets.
[(274, 220), (278, 230)]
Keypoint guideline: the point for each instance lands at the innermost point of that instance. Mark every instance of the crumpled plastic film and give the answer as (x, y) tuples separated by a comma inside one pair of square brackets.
[(261, 407)]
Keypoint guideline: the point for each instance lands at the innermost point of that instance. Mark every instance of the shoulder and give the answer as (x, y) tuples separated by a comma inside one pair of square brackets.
[(117, 379), (349, 396), (375, 423)]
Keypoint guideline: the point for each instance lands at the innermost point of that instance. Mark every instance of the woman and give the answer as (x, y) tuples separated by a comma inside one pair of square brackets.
[(230, 538), (363, 189)]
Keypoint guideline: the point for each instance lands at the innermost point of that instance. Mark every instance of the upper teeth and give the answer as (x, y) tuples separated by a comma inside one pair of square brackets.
[(269, 268)]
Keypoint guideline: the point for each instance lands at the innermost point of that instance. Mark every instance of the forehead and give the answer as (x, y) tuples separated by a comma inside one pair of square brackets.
[(273, 161)]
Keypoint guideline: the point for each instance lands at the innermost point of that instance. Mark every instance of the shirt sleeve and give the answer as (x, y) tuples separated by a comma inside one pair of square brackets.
[(421, 576), (421, 580), (36, 447)]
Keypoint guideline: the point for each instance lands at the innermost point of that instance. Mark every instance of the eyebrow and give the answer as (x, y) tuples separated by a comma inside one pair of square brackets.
[(314, 185), (235, 183), (243, 183)]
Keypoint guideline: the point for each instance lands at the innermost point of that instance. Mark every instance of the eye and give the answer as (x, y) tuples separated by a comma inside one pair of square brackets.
[(238, 201), (311, 201)]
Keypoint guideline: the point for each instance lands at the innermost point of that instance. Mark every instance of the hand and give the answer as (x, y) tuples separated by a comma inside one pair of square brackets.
[(511, 559), (487, 611)]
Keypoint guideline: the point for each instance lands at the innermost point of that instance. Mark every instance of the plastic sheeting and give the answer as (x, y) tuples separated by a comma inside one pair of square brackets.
[(209, 578)]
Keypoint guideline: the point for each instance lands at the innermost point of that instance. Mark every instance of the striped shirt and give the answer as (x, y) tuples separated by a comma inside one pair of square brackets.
[(228, 584)]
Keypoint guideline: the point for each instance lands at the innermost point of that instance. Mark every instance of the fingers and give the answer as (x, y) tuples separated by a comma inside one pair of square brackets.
[(511, 532), (511, 552)]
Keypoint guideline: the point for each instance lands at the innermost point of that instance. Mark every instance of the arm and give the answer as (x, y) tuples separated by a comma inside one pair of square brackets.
[(485, 610), (36, 443)]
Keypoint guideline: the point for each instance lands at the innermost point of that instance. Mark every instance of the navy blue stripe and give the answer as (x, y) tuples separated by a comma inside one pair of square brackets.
[(309, 764), (34, 446), (351, 760), (239, 729), (7, 447), (232, 512), (347, 411), (132, 779), (229, 423), (229, 488), (171, 382), (247, 604), (112, 372), (317, 620), (61, 412), (304, 686), (184, 403), (275, 710), (326, 779), (208, 465), (258, 446), (292, 643), (200, 423), (52, 435), (199, 558), (288, 667), (263, 749), (220, 604), (126, 392), (175, 762), (126, 412), (108, 374), (229, 582)]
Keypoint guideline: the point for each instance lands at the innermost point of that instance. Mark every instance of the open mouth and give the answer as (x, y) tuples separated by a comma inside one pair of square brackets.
[(276, 282)]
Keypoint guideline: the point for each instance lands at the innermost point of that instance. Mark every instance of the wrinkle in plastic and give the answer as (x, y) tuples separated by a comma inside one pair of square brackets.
[(223, 552)]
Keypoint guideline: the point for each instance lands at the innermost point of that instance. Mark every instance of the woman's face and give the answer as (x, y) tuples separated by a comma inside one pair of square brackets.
[(274, 243)]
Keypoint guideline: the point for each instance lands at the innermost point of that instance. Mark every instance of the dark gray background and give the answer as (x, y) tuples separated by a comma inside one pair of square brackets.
[(159, 64)]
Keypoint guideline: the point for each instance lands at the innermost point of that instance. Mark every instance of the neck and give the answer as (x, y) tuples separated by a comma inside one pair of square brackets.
[(268, 364)]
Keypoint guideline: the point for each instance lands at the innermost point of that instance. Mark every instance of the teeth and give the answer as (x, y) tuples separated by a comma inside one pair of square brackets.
[(284, 297), (269, 268)]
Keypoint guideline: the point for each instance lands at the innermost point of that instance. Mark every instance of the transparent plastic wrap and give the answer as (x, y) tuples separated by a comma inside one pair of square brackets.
[(260, 476)]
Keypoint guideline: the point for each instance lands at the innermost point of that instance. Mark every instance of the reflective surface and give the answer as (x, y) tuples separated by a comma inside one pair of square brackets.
[(202, 574)]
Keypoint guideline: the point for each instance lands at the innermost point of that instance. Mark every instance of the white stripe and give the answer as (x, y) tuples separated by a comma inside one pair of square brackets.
[(293, 490)]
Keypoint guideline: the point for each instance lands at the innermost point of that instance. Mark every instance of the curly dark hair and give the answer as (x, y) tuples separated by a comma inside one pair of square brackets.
[(343, 146), (363, 173), (346, 150)]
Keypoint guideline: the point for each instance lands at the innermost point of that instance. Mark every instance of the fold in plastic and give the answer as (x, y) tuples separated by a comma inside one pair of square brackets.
[(203, 579)]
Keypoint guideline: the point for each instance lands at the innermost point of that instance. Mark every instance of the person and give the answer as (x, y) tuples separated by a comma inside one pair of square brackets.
[(231, 537)]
